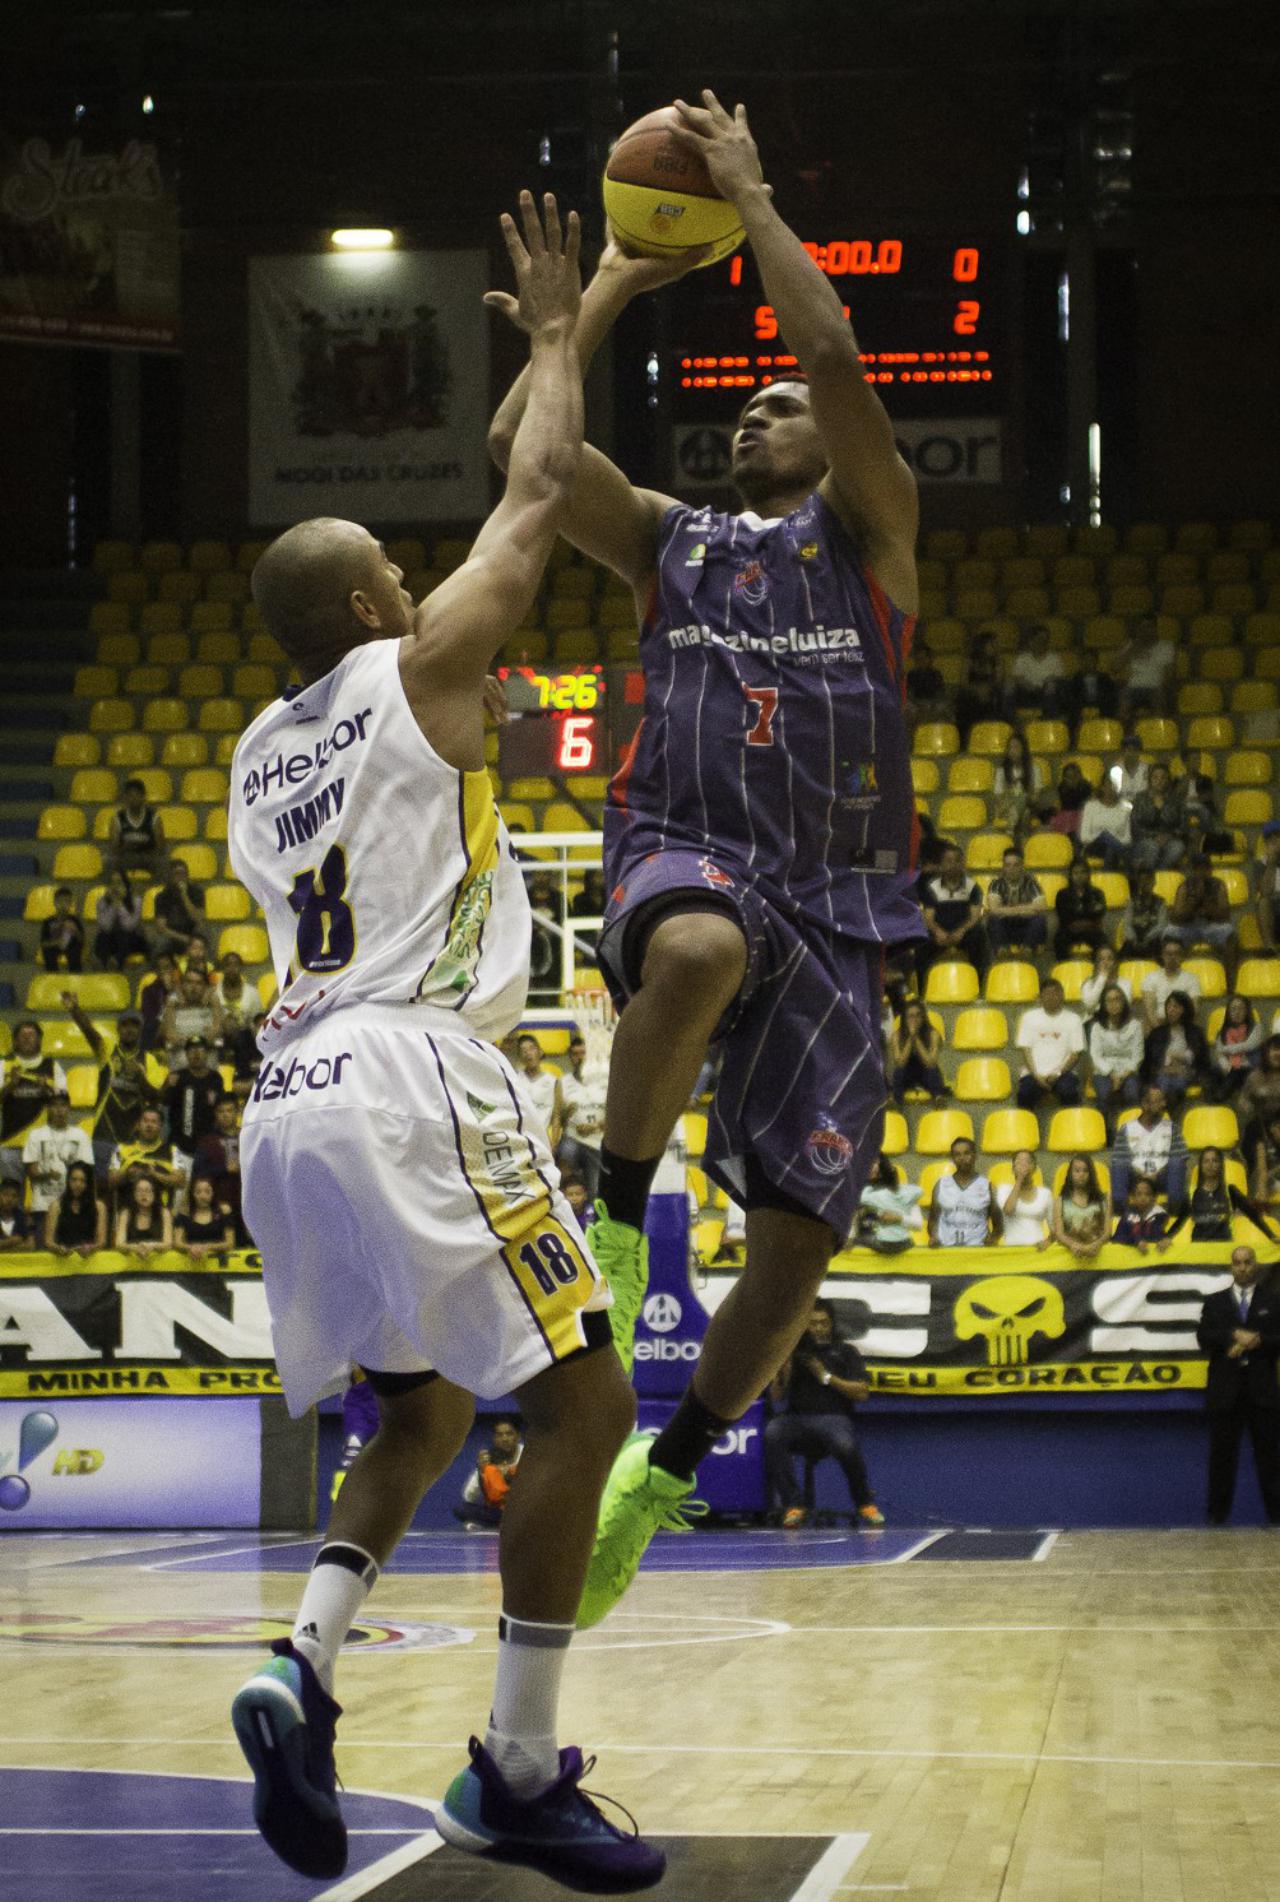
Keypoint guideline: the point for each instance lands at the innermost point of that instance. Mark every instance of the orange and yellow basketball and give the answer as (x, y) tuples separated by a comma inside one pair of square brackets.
[(659, 198)]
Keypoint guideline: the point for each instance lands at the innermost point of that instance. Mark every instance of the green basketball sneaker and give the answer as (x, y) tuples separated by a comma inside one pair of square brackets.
[(622, 1256), (639, 1500)]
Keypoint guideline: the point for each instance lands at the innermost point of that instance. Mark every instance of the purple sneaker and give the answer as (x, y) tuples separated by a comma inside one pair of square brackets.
[(561, 1832), (285, 1722)]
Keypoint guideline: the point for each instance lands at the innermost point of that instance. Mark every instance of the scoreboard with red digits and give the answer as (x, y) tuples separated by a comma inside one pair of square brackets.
[(928, 312), (557, 722)]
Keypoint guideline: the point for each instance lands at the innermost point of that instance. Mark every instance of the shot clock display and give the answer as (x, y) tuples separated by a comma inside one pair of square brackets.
[(557, 722), (928, 313)]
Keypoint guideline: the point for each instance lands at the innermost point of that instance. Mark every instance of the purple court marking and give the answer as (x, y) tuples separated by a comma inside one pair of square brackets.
[(447, 1552), (133, 1837)]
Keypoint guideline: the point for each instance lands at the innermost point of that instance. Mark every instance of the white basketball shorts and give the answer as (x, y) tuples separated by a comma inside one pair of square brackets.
[(399, 1186)]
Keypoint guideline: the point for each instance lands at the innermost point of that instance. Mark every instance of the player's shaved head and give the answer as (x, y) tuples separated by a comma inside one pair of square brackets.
[(304, 585)]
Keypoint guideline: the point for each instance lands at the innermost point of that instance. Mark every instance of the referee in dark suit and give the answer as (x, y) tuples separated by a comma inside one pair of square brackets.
[(1240, 1331)]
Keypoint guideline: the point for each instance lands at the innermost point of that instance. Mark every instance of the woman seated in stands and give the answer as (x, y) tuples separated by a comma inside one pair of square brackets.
[(119, 919), (1142, 925), (1027, 1207), (1177, 1055), (208, 1227), (155, 993), (1214, 1201), (1082, 910), (915, 1052), (1106, 971), (1074, 791), (239, 999), (889, 1212), (1266, 1168), (1236, 1048), (76, 1224), (1082, 1212), (1116, 1052), (144, 1225)]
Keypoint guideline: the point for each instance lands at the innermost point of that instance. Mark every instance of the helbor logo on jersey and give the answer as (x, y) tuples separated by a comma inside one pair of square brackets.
[(829, 1151), (662, 1313)]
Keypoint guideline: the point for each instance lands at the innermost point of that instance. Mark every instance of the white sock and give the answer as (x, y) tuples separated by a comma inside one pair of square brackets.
[(522, 1726), (341, 1579)]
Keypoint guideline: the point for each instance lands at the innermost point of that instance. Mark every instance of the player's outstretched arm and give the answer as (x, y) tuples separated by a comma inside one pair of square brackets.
[(869, 483), (606, 517)]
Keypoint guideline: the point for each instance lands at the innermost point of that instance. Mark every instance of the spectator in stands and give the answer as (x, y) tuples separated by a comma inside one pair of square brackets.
[(1144, 669), (150, 1154), (1026, 1206), (952, 905), (154, 994), (964, 1212), (590, 902), (1015, 907), (814, 1396), (208, 1226), (1201, 911), (927, 694), (124, 1081), (1266, 886), (1081, 911), (75, 1222), (136, 842), (487, 1490), (1145, 1223), (888, 1210), (1149, 1144), (1240, 1332), (217, 1155), (28, 1079), (1142, 924), (574, 1191), (239, 999), (1082, 1210), (193, 1011), (50, 1147), (196, 958), (179, 908), (1201, 827), (1215, 1202), (1018, 779), (191, 1099), (981, 693), (246, 1058), (1259, 1098), (1157, 985), (1038, 683), (15, 1223), (1266, 1167), (144, 1225), (1051, 1039), (915, 1055), (1106, 827), (1130, 773), (580, 1115), (931, 847), (1074, 791), (1106, 970), (1158, 843), (62, 934), (1116, 1052), (1236, 1049), (539, 1084), (1177, 1055), (544, 948), (118, 915)]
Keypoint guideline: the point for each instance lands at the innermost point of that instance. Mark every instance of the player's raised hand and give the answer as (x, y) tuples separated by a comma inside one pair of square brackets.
[(635, 275), (546, 264), (723, 142)]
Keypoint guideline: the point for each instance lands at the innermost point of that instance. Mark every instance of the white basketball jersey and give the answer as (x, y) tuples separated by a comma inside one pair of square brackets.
[(386, 876)]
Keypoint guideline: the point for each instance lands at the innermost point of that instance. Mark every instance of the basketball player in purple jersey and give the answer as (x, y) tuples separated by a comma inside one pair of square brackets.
[(759, 836)]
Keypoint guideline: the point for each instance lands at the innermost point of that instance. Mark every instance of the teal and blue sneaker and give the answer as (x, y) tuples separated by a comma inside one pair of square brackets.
[(639, 1499), (622, 1256), (561, 1832), (285, 1721)]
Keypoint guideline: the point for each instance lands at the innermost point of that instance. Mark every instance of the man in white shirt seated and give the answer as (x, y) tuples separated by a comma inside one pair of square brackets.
[(1146, 668), (1130, 772), (1051, 1040), (539, 1084), (1106, 827), (1170, 977), (964, 1212)]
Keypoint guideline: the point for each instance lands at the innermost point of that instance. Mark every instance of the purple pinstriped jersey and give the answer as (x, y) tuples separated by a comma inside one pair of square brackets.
[(774, 736)]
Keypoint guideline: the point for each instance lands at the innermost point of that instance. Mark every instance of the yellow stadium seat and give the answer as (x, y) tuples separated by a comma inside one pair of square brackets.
[(215, 824), (82, 1085), (38, 904), (1221, 663), (179, 823), (1254, 696), (61, 822), (95, 683), (1048, 540), (1158, 735), (208, 557), (1100, 735), (1146, 538), (267, 989), (1136, 971), (93, 786), (938, 1129), (1236, 883), (200, 860), (157, 558), (981, 1029), (950, 982), (1210, 730), (1005, 1131), (102, 819), (1071, 974), (1262, 630), (986, 851), (248, 554), (1072, 1129), (1248, 809), (254, 681), (924, 775), (216, 641), (1104, 633), (160, 617), (118, 650), (518, 817), (1259, 977), (962, 812), (989, 737), (129, 751), (1012, 981), (165, 715), (179, 586), (128, 588), (937, 737), (1249, 769), (1211, 630), (1233, 597), (968, 775), (1048, 851), (110, 716), (170, 648), (77, 749), (203, 786), (226, 904), (530, 789), (1210, 1125), (77, 861), (946, 544), (250, 941), (894, 1141), (200, 681), (1266, 663), (140, 683), (1047, 736), (110, 556), (983, 1080), (184, 749), (1253, 536), (157, 782), (1212, 977), (973, 572), (228, 586), (1132, 598), (224, 749), (221, 716)]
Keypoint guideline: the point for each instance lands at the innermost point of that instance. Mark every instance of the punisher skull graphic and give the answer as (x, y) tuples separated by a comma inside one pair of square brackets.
[(1008, 1311)]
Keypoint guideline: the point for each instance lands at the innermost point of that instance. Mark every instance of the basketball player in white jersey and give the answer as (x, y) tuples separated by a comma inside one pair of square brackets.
[(395, 1178)]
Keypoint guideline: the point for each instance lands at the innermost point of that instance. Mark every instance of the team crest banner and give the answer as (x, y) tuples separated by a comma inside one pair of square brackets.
[(368, 387), (88, 243)]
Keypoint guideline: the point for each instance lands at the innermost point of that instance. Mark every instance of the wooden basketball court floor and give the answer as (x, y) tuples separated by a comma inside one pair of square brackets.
[(796, 1717)]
